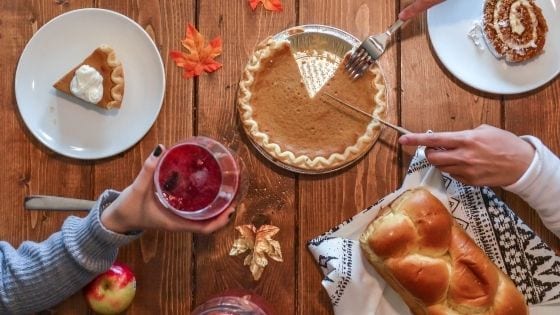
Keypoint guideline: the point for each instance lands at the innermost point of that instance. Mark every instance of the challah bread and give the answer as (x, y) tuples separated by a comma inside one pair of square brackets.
[(433, 264)]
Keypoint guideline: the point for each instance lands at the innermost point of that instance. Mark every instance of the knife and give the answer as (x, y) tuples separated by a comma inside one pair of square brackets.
[(40, 202), (386, 123)]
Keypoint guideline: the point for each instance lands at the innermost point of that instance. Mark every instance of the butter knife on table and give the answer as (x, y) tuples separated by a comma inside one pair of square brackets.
[(41, 202)]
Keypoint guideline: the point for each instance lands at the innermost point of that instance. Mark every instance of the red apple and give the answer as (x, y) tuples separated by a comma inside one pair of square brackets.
[(112, 291)]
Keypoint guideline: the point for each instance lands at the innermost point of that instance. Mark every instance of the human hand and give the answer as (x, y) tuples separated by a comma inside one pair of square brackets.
[(137, 207), (485, 156), (417, 7)]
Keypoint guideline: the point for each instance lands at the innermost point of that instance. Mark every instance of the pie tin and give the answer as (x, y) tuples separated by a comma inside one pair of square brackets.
[(318, 50)]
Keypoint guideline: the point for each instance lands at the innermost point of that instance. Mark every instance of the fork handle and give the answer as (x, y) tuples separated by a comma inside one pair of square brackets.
[(394, 27)]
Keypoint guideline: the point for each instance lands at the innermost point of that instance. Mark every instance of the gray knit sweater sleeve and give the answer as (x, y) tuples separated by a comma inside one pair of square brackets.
[(40, 275)]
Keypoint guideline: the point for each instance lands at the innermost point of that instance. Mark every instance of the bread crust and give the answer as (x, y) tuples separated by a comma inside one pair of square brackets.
[(449, 276)]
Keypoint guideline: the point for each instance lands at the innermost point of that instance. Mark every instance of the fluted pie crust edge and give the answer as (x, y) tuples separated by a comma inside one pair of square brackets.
[(266, 49), (104, 60)]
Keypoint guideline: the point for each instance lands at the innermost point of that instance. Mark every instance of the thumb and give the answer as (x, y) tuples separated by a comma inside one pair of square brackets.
[(416, 8), (412, 10)]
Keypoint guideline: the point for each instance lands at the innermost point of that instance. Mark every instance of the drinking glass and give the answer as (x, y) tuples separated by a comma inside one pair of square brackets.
[(198, 178)]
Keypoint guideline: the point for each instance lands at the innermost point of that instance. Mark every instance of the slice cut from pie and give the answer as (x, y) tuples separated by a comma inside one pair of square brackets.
[(308, 133), (99, 79)]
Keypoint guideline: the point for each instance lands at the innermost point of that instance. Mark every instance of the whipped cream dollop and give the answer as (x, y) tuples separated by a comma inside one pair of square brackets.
[(87, 84)]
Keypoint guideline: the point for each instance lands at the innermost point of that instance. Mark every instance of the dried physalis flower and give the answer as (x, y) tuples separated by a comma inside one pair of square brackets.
[(260, 244), (200, 56), (271, 5)]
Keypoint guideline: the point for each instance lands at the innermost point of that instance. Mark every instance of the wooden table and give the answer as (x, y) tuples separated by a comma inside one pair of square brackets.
[(177, 271)]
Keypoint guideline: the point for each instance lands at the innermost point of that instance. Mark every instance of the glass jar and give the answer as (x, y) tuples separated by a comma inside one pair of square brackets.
[(235, 302)]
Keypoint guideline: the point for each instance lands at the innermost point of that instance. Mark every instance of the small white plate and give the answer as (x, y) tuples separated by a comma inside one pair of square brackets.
[(448, 25), (68, 125)]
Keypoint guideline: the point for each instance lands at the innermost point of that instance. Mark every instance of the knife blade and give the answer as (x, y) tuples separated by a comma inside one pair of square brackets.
[(386, 123), (56, 203)]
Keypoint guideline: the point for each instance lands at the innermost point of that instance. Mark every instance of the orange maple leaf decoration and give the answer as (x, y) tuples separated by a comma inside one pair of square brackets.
[(200, 57), (272, 5)]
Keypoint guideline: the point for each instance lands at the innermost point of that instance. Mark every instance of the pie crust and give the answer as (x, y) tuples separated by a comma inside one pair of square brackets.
[(514, 29), (105, 61), (308, 133)]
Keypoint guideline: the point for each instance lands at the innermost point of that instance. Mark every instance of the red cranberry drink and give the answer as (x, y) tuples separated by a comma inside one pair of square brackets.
[(197, 179)]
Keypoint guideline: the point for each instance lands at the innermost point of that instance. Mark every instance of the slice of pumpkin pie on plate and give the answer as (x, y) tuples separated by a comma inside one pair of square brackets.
[(99, 79)]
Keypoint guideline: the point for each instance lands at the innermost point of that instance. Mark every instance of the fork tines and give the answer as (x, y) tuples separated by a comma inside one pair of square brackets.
[(358, 63), (369, 51)]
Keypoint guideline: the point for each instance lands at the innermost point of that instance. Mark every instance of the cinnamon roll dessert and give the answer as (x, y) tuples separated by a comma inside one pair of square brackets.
[(514, 29)]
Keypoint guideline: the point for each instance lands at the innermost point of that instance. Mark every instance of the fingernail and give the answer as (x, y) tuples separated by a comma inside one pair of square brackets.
[(157, 151)]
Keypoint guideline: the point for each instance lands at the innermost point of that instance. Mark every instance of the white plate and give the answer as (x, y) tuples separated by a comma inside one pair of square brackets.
[(448, 25), (68, 125)]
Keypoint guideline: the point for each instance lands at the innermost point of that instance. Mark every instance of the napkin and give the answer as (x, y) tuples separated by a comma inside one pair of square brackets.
[(354, 287)]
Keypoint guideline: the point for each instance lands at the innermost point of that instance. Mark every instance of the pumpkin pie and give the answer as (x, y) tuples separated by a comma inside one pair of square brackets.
[(99, 79), (514, 29), (308, 133)]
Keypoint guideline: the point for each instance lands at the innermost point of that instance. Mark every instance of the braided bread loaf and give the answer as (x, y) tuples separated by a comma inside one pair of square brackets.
[(433, 264)]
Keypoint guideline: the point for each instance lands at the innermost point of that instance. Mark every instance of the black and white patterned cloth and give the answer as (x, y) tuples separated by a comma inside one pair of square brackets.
[(355, 288)]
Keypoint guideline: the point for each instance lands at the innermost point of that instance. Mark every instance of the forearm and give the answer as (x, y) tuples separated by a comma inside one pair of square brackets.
[(39, 275), (540, 185)]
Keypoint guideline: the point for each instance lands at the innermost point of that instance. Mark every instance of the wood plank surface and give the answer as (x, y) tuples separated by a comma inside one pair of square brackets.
[(270, 197), (177, 271), (454, 106), (161, 260), (451, 105), (29, 166), (327, 200), (535, 113)]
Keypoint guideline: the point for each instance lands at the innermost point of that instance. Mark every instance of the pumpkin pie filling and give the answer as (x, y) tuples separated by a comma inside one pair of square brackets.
[(104, 61), (308, 132)]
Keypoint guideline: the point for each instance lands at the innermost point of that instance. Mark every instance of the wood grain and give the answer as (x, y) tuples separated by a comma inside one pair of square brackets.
[(29, 166), (535, 113), (177, 271), (451, 105), (161, 260), (270, 197), (327, 200)]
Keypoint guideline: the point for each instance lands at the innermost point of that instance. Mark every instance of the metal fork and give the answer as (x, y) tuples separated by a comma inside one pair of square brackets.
[(369, 51)]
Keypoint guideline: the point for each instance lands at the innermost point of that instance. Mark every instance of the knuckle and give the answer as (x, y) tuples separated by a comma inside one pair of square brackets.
[(469, 137), (149, 167), (429, 155), (207, 230), (471, 173), (468, 158), (169, 226)]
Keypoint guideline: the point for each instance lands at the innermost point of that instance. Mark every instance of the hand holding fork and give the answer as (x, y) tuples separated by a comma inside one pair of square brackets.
[(374, 46), (369, 51)]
